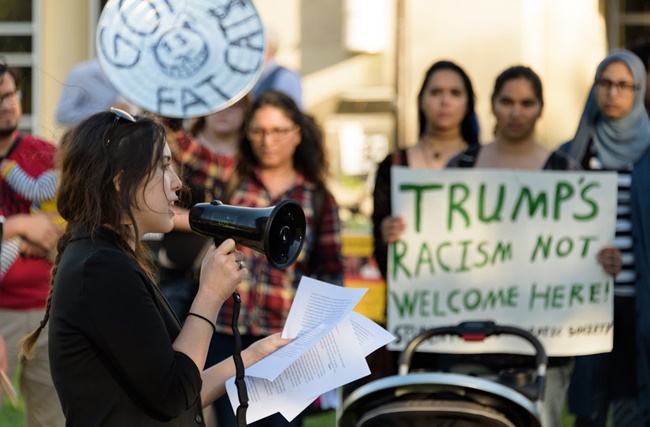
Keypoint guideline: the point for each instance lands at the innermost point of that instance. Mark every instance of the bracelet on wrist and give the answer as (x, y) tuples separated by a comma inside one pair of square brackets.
[(214, 327)]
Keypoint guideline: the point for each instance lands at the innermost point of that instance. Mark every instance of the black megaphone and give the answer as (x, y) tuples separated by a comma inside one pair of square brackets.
[(278, 231)]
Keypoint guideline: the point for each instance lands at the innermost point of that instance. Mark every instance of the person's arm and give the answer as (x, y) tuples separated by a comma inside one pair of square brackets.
[(214, 378), (124, 323), (219, 277), (9, 253), (37, 230), (382, 210), (35, 189)]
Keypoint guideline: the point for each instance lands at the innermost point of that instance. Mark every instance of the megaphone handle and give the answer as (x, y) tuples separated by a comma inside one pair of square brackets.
[(235, 295), (240, 383)]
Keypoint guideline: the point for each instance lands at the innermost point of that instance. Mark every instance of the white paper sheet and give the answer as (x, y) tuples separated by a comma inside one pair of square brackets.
[(317, 307), (332, 342), (370, 337)]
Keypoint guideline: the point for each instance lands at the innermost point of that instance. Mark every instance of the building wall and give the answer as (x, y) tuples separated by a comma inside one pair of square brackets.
[(64, 39), (283, 16), (562, 41)]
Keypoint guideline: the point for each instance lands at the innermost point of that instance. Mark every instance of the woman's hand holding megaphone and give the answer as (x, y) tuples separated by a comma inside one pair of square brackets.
[(222, 269)]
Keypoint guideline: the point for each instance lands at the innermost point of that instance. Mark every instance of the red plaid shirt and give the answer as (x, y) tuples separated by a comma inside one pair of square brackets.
[(208, 170), (267, 294)]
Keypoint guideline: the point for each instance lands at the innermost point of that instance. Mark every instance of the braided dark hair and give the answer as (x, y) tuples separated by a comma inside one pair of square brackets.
[(28, 342), (88, 162)]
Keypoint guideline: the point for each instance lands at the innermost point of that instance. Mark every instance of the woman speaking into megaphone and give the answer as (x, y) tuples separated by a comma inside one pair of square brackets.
[(118, 354), (281, 157)]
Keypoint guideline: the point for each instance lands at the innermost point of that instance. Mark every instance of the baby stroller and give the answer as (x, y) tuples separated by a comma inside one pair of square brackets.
[(441, 399)]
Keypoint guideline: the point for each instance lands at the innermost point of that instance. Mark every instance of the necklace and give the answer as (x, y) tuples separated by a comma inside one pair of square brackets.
[(433, 158)]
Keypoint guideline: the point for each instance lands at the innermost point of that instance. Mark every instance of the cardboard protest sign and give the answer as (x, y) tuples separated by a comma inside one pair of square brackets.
[(181, 58), (516, 247)]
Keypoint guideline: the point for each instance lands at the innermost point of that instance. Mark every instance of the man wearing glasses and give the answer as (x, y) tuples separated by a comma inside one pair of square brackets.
[(24, 288)]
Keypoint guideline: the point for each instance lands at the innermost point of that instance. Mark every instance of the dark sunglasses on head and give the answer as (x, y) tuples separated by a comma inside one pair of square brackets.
[(119, 114)]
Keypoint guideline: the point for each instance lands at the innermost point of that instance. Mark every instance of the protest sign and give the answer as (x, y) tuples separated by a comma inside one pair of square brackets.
[(181, 58), (329, 347), (515, 247)]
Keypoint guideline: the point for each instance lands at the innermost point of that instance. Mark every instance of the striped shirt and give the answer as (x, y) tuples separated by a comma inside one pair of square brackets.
[(27, 283), (35, 189), (10, 251), (625, 280), (40, 189)]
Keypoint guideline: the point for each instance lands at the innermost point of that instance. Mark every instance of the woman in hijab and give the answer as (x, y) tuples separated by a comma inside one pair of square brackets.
[(614, 135)]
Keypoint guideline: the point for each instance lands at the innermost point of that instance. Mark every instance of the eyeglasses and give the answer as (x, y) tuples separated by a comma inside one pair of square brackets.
[(119, 114), (626, 90), (275, 134), (12, 96)]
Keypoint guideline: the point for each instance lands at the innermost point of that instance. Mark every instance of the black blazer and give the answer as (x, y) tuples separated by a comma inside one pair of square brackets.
[(110, 343)]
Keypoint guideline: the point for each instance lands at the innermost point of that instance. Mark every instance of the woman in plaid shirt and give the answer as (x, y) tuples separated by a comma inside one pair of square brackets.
[(282, 156)]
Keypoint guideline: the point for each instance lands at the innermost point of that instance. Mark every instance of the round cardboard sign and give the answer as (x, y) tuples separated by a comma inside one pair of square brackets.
[(181, 58)]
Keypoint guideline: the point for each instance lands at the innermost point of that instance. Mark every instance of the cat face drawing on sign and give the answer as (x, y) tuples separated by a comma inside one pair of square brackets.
[(181, 52), (181, 58)]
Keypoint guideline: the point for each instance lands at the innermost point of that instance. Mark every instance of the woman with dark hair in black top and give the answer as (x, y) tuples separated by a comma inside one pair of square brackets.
[(118, 354), (447, 125)]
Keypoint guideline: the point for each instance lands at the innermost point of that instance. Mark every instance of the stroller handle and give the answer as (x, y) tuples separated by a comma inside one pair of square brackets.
[(477, 331)]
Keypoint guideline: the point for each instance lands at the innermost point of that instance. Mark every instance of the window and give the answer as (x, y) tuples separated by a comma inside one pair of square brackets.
[(18, 48), (628, 21)]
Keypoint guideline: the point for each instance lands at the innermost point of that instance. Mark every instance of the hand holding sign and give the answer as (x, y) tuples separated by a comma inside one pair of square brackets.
[(610, 258), (513, 246)]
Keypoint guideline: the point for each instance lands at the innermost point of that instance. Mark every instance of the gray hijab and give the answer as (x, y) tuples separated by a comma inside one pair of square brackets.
[(618, 142)]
